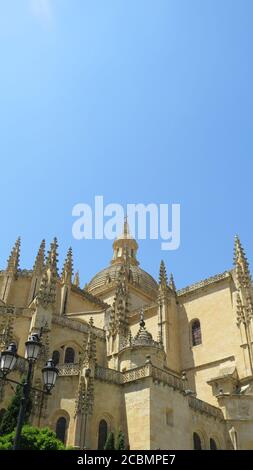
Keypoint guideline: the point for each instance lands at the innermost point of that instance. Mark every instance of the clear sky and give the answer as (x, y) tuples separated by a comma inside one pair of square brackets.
[(138, 101)]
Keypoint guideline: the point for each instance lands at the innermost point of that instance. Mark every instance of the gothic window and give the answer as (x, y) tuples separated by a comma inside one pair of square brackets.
[(213, 445), (196, 442), (56, 357), (69, 356), (61, 426), (102, 434), (196, 333)]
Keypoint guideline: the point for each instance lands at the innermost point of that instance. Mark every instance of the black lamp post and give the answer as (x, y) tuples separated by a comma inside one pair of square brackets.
[(8, 361)]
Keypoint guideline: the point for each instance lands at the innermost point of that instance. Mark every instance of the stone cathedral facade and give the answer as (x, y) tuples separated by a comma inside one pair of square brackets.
[(170, 368)]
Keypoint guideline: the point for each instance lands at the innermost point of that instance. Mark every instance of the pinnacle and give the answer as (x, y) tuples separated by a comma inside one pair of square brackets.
[(163, 280), (172, 283), (13, 261), (241, 264), (40, 258), (68, 265), (76, 280)]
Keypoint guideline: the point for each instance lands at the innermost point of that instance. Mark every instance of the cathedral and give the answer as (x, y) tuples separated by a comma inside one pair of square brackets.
[(171, 369)]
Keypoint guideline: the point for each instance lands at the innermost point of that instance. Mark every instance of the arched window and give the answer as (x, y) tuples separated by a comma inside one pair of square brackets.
[(56, 357), (102, 434), (60, 430), (213, 445), (196, 333), (196, 442), (69, 356)]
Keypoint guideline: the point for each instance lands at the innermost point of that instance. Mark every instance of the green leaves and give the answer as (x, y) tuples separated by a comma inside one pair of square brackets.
[(118, 445), (10, 417), (33, 438)]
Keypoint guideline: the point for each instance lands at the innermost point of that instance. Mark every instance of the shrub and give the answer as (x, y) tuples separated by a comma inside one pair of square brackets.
[(33, 438)]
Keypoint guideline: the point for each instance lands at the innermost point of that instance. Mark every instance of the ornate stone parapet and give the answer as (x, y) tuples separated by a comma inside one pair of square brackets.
[(108, 375), (203, 407), (68, 369), (138, 373)]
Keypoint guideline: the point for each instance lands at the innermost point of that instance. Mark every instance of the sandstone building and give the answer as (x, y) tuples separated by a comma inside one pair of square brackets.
[(171, 368)]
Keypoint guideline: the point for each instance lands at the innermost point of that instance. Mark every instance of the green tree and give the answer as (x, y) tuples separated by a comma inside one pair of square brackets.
[(33, 438), (109, 445), (120, 441), (10, 417)]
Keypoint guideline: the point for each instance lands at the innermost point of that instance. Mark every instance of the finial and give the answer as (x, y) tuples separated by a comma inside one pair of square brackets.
[(142, 322), (126, 227)]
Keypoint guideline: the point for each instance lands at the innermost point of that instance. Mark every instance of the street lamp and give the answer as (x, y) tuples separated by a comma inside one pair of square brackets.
[(32, 348), (8, 360), (49, 373)]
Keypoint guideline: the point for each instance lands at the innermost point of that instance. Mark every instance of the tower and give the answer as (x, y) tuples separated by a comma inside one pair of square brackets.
[(168, 324), (244, 297)]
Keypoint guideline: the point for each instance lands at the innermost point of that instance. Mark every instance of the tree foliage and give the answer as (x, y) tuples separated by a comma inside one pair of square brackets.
[(120, 441), (118, 445), (33, 438), (109, 445), (10, 417)]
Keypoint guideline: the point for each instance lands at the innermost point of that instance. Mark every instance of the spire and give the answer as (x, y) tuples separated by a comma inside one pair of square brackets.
[(76, 281), (163, 280), (241, 264), (52, 257), (47, 290), (67, 271), (40, 258), (13, 261), (172, 283)]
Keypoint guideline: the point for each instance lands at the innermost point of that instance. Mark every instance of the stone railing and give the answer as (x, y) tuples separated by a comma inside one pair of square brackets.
[(167, 378), (108, 375), (136, 374), (203, 283), (68, 369), (147, 370), (203, 407)]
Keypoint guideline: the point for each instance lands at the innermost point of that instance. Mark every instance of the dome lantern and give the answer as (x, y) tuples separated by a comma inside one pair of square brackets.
[(125, 247)]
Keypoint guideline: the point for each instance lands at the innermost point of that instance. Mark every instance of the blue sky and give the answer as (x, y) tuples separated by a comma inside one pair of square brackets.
[(138, 101)]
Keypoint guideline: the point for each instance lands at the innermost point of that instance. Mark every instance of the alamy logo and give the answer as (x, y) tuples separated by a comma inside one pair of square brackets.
[(151, 221)]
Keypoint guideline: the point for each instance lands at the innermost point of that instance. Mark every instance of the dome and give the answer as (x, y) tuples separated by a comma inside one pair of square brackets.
[(137, 276), (124, 254)]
